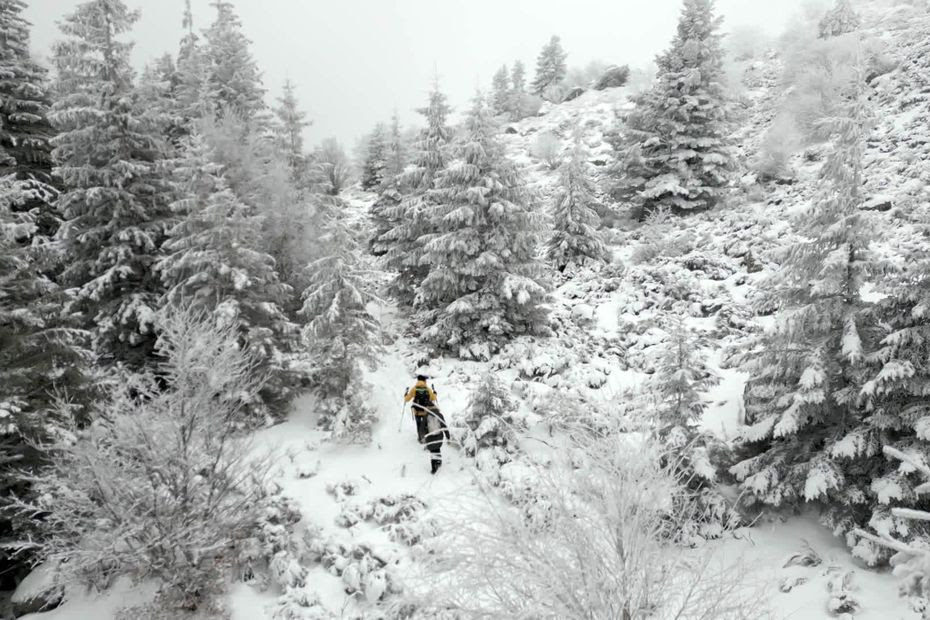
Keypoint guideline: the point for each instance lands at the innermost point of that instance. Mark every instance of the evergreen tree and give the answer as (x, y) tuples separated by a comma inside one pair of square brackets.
[(675, 151), (376, 155), (518, 77), (340, 332), (518, 96), (841, 19), (500, 91), (290, 133), (550, 66), (192, 91), (403, 243), (484, 285), (24, 127), (42, 358), (390, 190), (213, 263), (397, 153), (491, 423), (233, 78), (810, 437), (114, 200), (575, 220), (678, 385)]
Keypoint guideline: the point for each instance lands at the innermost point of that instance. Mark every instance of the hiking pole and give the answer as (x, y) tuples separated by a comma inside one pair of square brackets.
[(403, 410)]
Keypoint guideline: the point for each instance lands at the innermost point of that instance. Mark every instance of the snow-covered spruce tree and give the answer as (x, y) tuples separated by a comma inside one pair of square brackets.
[(550, 67), (289, 134), (575, 238), (259, 175), (376, 156), (24, 127), (42, 359), (678, 388), (234, 83), (192, 88), (809, 438), (675, 152), (500, 91), (214, 265), (114, 198), (485, 284), (841, 19), (403, 242), (340, 333), (896, 391), (396, 153), (390, 190), (491, 422)]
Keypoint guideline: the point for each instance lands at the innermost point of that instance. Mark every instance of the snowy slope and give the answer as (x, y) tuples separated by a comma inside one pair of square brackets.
[(606, 323)]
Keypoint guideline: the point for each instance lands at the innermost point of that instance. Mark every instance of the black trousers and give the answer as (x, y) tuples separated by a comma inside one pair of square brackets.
[(421, 427), (434, 446)]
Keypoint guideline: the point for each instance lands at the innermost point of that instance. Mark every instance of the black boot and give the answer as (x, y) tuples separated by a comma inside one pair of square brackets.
[(436, 464)]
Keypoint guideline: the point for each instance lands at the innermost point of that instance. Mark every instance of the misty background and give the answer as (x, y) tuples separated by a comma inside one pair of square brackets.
[(354, 61)]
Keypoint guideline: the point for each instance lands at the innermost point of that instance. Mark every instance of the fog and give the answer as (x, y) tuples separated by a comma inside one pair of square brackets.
[(355, 61)]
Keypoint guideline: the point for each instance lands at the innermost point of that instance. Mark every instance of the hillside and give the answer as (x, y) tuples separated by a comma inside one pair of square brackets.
[(361, 522)]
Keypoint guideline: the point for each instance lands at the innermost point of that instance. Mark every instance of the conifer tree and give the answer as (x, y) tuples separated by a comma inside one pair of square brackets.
[(518, 98), (841, 19), (396, 153), (290, 133), (24, 127), (518, 77), (550, 66), (500, 91), (233, 78), (575, 237), (679, 384), (114, 202), (214, 263), (811, 437), (340, 333), (192, 91), (490, 421), (675, 151), (42, 357), (485, 284), (403, 243), (390, 189), (376, 155)]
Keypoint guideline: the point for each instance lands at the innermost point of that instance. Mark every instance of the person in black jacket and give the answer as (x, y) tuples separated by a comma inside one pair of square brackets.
[(436, 433)]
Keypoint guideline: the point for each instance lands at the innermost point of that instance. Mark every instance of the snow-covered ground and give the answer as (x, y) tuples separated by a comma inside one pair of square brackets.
[(394, 465)]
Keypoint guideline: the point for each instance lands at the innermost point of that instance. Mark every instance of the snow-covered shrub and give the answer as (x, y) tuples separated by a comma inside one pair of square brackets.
[(160, 486), (779, 144), (911, 559), (364, 572), (398, 515), (547, 148), (659, 238), (595, 549), (491, 421)]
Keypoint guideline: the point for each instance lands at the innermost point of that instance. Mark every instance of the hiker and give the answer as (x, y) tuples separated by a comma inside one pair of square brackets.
[(424, 400), (436, 433)]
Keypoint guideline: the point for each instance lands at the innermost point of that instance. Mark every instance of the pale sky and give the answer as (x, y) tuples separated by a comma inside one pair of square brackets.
[(355, 61)]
